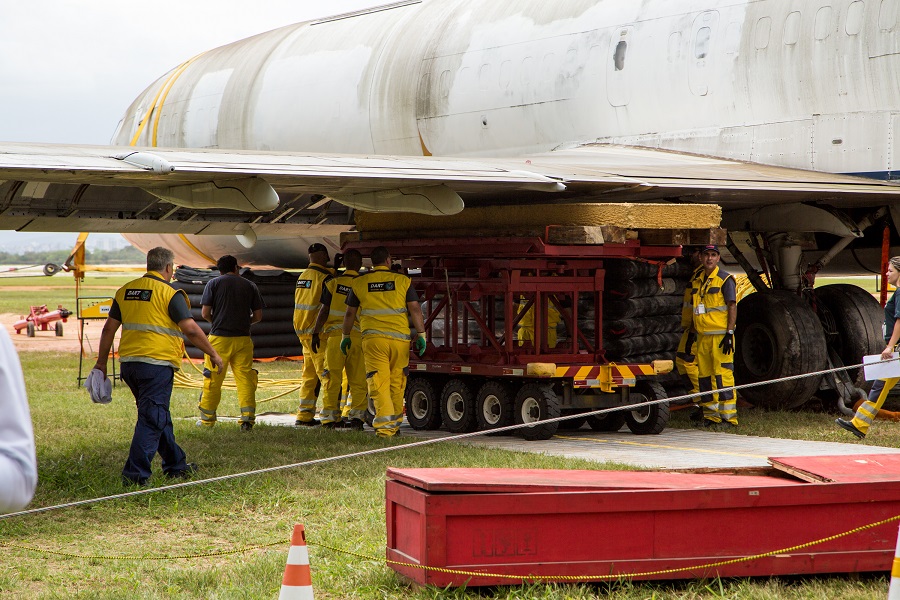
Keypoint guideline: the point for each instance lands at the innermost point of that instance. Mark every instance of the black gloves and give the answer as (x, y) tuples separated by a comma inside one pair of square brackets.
[(315, 342), (727, 343), (689, 342)]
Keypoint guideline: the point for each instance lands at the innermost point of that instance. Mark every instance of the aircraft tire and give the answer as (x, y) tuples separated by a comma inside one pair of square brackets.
[(778, 335), (857, 323)]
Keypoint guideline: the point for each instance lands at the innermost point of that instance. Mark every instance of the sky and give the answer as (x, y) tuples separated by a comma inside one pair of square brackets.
[(70, 68)]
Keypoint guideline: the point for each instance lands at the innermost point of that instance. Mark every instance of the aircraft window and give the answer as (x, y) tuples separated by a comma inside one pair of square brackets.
[(732, 38), (792, 29), (505, 73), (675, 47), (548, 67), (423, 86), (887, 16), (855, 18), (701, 42), (619, 56), (527, 70), (763, 27), (823, 22), (445, 83), (484, 77)]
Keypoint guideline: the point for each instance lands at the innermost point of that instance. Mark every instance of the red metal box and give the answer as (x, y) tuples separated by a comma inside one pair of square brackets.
[(499, 526)]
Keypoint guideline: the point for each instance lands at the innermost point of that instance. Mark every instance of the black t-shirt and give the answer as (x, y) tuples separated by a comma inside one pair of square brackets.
[(232, 300)]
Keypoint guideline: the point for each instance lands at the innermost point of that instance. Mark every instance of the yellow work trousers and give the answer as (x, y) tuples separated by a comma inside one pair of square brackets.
[(716, 371), (238, 353), (387, 365), (313, 369), (868, 409), (336, 364), (686, 364)]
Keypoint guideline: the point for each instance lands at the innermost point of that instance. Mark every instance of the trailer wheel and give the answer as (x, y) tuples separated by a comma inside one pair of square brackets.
[(29, 329), (58, 328), (423, 411), (607, 422), (458, 407), (494, 405), (648, 420), (536, 402)]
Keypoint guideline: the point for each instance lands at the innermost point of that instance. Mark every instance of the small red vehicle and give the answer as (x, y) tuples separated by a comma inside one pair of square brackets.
[(41, 317)]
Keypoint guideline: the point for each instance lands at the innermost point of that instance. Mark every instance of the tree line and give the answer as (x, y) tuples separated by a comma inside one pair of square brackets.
[(121, 256)]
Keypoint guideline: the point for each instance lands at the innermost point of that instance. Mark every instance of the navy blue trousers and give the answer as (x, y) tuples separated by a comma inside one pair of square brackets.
[(152, 389)]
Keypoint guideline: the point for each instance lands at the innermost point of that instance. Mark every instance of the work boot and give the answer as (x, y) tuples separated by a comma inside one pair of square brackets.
[(313, 423), (850, 427), (333, 425), (696, 415), (185, 473), (207, 424), (355, 424), (710, 424), (246, 426)]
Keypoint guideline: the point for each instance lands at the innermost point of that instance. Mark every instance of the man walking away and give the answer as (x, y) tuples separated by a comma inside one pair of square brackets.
[(329, 321), (155, 318), (231, 304), (385, 301), (307, 300)]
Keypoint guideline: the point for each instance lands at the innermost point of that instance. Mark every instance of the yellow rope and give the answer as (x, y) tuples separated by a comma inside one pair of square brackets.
[(185, 381), (619, 575)]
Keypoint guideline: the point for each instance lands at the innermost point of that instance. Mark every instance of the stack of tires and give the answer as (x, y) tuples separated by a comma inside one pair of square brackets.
[(273, 337)]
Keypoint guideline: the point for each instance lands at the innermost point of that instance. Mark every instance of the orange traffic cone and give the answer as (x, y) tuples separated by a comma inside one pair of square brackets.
[(297, 582)]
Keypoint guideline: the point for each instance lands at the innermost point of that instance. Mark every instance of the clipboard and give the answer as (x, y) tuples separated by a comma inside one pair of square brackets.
[(885, 370)]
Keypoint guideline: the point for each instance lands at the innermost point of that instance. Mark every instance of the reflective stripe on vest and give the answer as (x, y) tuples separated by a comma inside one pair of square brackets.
[(340, 289), (148, 333), (382, 303), (308, 298), (714, 321)]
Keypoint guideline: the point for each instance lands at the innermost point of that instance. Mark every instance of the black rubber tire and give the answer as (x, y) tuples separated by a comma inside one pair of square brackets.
[(493, 405), (778, 335), (51, 269), (858, 320), (458, 407), (58, 329), (423, 408), (573, 424), (536, 402), (607, 422), (650, 420), (29, 329)]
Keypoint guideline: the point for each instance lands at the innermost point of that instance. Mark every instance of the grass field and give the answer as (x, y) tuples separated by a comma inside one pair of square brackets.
[(122, 545)]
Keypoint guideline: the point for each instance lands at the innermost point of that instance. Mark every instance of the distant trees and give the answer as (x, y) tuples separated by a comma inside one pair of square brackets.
[(121, 256)]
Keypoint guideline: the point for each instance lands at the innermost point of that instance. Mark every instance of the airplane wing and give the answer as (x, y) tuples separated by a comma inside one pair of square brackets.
[(216, 192)]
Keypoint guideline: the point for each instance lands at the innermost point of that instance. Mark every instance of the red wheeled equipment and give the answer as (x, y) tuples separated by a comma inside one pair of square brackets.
[(41, 317), (487, 366)]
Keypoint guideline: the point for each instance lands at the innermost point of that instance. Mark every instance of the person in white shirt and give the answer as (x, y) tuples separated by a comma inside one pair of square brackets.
[(18, 463)]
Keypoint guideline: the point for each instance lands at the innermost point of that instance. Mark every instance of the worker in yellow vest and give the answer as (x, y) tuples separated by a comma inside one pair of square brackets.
[(714, 302), (307, 300), (155, 318), (329, 322), (526, 324), (385, 301)]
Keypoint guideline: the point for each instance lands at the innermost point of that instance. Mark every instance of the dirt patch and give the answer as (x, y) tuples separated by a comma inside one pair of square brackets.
[(47, 341)]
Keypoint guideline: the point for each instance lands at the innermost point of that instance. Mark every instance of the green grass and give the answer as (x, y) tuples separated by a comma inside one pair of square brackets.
[(18, 294), (81, 448)]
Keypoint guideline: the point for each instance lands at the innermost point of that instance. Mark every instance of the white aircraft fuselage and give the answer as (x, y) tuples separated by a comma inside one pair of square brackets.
[(810, 85)]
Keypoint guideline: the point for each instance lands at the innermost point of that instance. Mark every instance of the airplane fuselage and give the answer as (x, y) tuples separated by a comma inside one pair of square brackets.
[(809, 85)]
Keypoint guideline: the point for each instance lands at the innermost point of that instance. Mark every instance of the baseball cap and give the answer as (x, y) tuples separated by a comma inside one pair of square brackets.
[(710, 248), (317, 247)]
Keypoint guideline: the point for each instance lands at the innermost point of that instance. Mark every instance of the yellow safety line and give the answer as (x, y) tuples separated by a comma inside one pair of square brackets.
[(662, 446), (166, 87), (706, 566), (162, 100)]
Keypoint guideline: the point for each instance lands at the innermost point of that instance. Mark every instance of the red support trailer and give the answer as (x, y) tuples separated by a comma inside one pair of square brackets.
[(494, 354)]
